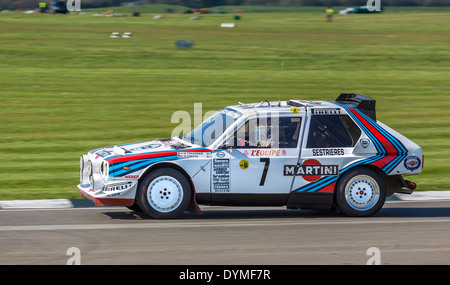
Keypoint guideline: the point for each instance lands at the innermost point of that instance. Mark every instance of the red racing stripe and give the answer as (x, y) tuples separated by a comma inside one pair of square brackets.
[(328, 189), (391, 151), (151, 155)]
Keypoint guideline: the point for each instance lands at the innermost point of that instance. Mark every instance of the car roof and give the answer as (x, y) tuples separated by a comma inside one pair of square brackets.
[(281, 106), (364, 104)]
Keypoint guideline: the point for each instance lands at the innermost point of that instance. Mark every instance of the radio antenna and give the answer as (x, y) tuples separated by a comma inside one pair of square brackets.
[(281, 77)]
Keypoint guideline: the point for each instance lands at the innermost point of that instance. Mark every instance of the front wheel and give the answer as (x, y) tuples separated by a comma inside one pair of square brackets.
[(361, 192), (164, 193)]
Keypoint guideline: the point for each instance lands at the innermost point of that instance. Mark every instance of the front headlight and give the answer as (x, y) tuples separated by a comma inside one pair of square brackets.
[(83, 169), (104, 169), (96, 182), (91, 182), (90, 168)]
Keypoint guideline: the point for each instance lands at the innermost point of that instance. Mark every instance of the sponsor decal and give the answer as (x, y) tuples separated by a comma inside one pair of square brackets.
[(145, 147), (265, 152), (243, 164), (295, 110), (220, 154), (311, 170), (330, 111), (118, 187), (131, 176), (182, 154), (103, 153), (221, 175), (327, 151), (365, 143), (412, 162)]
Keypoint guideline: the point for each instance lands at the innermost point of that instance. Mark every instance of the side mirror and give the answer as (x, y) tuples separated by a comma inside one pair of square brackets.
[(225, 146)]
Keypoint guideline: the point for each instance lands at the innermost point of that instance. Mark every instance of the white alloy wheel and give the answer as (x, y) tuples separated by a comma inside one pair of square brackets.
[(165, 194), (362, 192)]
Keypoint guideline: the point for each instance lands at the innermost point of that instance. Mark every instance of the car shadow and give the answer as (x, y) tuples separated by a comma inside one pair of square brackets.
[(261, 214), (233, 214), (414, 212)]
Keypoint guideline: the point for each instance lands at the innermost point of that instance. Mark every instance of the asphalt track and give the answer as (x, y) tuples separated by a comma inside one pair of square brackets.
[(403, 232)]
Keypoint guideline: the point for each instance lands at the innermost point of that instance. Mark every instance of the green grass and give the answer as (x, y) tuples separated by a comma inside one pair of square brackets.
[(66, 87)]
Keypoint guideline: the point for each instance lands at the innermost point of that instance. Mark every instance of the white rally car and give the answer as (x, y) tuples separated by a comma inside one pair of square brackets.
[(298, 154)]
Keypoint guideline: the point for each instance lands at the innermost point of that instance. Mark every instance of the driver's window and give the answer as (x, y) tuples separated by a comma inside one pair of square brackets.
[(267, 132), (244, 136)]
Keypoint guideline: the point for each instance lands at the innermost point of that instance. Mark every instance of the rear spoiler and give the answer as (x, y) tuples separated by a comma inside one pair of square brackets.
[(361, 102)]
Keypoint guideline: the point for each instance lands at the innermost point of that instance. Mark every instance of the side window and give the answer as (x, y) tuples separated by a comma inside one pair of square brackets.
[(271, 132), (332, 131), (289, 131)]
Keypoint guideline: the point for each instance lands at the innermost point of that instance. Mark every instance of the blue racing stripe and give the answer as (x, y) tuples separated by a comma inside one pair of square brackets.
[(400, 148), (326, 181), (142, 164)]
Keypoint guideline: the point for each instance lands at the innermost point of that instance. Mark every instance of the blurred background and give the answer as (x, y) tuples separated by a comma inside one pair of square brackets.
[(69, 85)]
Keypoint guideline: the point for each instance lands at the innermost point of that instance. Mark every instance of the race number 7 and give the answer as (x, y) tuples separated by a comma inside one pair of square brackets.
[(266, 168)]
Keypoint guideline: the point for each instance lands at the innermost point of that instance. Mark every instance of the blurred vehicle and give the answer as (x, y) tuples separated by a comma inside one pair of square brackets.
[(361, 10), (298, 154), (346, 11), (55, 7)]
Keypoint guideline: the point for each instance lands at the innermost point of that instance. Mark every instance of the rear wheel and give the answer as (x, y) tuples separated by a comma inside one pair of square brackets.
[(361, 192), (164, 193)]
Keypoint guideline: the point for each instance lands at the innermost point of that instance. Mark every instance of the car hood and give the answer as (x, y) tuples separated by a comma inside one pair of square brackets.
[(144, 150)]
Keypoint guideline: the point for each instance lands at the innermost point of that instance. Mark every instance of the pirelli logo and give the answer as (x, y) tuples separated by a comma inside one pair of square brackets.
[(327, 111), (313, 170)]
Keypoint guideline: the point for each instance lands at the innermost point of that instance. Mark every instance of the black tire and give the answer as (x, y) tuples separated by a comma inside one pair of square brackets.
[(164, 194), (135, 207), (361, 192)]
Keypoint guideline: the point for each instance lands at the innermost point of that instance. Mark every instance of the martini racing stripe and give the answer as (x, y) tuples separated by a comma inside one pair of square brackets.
[(324, 182), (120, 158), (378, 145), (401, 150), (394, 153), (132, 164), (140, 164), (123, 165), (390, 152), (385, 143)]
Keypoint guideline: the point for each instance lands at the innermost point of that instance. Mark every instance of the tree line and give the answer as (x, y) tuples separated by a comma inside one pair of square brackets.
[(31, 4)]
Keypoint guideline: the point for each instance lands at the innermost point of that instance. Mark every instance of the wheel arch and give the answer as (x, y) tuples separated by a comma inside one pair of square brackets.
[(393, 182)]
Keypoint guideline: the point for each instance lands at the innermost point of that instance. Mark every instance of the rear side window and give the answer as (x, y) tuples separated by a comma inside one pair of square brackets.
[(332, 131)]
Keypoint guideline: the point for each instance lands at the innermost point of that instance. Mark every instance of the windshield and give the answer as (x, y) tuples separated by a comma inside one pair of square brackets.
[(212, 128)]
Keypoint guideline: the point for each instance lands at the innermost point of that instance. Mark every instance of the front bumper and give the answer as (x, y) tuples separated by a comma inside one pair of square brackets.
[(98, 186), (110, 198)]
